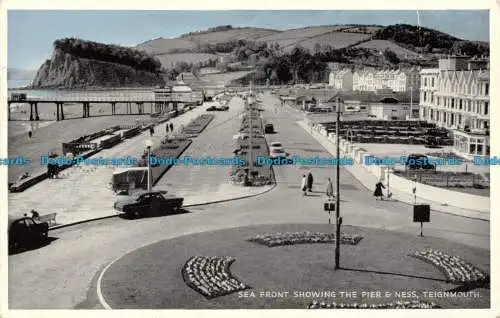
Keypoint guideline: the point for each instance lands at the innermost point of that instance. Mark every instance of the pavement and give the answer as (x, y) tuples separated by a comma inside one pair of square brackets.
[(368, 180), (84, 192)]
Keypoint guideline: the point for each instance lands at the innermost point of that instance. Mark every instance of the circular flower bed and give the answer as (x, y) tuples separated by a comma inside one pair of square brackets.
[(292, 238), (210, 276), (414, 304), (457, 270)]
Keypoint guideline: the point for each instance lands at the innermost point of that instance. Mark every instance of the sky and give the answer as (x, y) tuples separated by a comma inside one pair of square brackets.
[(32, 33)]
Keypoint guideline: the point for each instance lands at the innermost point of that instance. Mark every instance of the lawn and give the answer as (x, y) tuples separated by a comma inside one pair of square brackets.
[(286, 276)]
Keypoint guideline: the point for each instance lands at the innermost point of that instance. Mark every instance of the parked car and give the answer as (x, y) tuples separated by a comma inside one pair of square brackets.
[(149, 203), (276, 149), (269, 128), (25, 232), (418, 161)]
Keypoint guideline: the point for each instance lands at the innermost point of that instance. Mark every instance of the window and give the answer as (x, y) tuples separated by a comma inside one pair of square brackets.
[(486, 104), (432, 82), (486, 89), (425, 81), (460, 104), (452, 103)]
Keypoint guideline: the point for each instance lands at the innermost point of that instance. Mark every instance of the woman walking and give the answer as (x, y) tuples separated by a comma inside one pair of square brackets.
[(378, 191), (329, 189), (303, 184), (310, 180)]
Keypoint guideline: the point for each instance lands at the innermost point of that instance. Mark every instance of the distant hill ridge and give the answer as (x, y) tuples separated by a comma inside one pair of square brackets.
[(402, 34)]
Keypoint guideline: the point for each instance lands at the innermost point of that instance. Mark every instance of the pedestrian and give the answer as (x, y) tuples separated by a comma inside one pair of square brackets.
[(171, 127), (310, 180), (30, 134), (329, 189), (151, 131), (166, 128), (303, 184), (378, 190), (35, 215)]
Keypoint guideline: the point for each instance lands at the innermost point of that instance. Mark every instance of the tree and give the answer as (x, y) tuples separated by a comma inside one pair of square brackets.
[(391, 56)]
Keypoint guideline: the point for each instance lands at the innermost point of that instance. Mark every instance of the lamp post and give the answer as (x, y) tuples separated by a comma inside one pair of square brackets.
[(338, 220), (149, 144)]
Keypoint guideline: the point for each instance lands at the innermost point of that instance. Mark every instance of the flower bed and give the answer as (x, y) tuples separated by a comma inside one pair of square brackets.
[(457, 270), (210, 276), (414, 304), (196, 126), (292, 238)]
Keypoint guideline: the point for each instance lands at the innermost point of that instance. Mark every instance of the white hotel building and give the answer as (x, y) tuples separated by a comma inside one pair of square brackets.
[(396, 80), (341, 79), (457, 98)]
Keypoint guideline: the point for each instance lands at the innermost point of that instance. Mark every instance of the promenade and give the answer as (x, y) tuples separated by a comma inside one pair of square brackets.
[(84, 192)]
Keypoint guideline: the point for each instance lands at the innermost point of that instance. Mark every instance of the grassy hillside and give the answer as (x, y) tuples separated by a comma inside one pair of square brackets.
[(336, 40), (169, 60), (229, 35), (161, 45), (381, 45)]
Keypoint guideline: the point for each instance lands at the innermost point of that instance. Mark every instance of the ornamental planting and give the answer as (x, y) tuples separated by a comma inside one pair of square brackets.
[(292, 238), (210, 276), (414, 304), (457, 270)]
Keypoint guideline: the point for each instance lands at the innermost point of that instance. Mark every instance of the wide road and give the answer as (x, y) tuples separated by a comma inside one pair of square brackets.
[(64, 273)]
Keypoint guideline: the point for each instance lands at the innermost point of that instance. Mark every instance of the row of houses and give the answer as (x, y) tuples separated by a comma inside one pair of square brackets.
[(456, 96), (372, 80)]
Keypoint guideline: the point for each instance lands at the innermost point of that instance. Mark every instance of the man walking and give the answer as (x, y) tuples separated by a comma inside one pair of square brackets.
[(166, 128), (171, 127)]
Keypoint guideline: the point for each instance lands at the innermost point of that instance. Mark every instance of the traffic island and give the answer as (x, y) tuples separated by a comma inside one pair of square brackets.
[(379, 272)]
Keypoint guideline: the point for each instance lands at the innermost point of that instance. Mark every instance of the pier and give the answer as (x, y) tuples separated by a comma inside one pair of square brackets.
[(155, 103)]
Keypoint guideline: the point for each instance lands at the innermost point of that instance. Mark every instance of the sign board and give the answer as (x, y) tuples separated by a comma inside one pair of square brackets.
[(421, 213), (329, 206)]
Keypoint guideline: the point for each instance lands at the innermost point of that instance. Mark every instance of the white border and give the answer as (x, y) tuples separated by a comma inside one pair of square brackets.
[(493, 5)]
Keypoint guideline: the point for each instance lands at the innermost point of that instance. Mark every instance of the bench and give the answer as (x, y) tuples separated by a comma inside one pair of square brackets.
[(49, 218)]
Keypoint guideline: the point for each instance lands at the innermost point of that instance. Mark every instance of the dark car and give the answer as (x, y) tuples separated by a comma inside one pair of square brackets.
[(26, 232), (211, 108), (149, 203), (418, 161), (269, 128)]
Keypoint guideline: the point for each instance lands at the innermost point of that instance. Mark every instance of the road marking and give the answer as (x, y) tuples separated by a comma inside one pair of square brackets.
[(99, 292)]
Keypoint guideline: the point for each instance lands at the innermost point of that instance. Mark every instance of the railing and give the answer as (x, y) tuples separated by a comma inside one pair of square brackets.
[(78, 147)]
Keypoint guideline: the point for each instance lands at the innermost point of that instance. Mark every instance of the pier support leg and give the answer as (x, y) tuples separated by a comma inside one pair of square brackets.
[(31, 111), (113, 108), (84, 110), (36, 112), (62, 111), (57, 105)]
